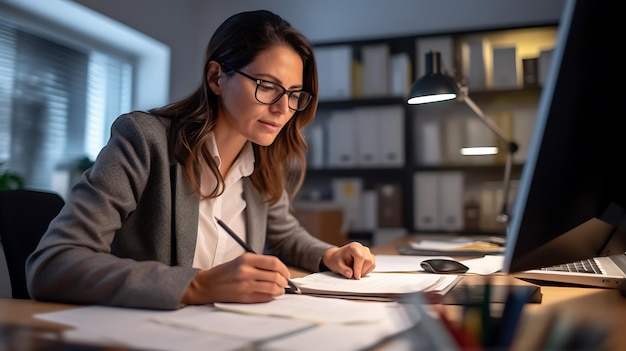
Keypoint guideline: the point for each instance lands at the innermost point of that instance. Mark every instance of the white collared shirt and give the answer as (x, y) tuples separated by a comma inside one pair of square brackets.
[(213, 245)]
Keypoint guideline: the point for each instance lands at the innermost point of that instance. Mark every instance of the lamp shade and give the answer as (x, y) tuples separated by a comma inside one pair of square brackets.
[(434, 85)]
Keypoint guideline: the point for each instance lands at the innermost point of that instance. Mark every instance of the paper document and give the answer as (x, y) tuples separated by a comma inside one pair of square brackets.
[(461, 246), (134, 328), (315, 309), (453, 245), (378, 285), (257, 327), (486, 265)]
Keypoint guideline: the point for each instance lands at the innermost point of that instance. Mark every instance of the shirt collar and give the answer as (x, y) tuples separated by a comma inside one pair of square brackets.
[(244, 164)]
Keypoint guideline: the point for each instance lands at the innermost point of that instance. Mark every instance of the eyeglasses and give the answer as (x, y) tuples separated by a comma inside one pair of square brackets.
[(269, 93)]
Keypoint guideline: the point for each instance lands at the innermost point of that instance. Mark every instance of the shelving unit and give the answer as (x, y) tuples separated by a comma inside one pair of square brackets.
[(421, 125)]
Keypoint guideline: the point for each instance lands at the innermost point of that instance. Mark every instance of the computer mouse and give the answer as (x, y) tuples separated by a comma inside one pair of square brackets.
[(443, 265)]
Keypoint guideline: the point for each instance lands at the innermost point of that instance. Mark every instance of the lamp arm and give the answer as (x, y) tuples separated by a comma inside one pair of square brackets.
[(486, 119), (512, 147)]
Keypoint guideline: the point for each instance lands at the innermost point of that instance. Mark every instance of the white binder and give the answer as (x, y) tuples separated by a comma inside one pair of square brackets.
[(341, 140), (375, 60), (391, 134), (451, 201), (368, 136), (334, 71), (426, 200)]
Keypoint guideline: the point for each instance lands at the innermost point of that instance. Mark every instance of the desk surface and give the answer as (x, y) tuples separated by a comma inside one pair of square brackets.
[(593, 305)]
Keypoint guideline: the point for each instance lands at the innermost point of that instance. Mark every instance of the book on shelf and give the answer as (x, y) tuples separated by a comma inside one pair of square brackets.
[(505, 72), (530, 71)]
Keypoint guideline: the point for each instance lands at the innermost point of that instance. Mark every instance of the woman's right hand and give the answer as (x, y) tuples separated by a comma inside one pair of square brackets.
[(250, 278)]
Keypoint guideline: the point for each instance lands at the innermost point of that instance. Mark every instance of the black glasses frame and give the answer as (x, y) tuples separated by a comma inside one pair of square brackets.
[(260, 81)]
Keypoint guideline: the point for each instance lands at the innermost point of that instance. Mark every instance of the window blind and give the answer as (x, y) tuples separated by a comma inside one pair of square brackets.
[(56, 103)]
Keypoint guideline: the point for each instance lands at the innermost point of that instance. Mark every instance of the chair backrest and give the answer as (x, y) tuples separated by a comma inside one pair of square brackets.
[(24, 218)]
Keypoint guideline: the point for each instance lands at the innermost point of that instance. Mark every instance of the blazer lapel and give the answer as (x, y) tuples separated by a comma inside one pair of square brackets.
[(256, 214), (185, 212)]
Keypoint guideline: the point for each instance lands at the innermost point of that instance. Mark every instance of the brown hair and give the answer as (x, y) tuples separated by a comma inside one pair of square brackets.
[(236, 43)]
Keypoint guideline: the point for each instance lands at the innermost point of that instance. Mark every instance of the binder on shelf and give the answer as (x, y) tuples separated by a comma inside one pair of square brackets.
[(401, 77), (391, 135), (439, 200), (505, 71), (341, 139), (453, 129), (375, 61), (315, 140), (334, 71), (475, 64), (426, 200), (543, 66), (443, 44), (347, 192), (430, 143), (389, 205), (368, 136), (368, 211), (451, 201)]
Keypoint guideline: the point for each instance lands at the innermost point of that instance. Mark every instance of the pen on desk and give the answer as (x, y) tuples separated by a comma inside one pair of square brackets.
[(292, 288)]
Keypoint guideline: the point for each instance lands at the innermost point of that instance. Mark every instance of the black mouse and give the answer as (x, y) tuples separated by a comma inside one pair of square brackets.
[(442, 265)]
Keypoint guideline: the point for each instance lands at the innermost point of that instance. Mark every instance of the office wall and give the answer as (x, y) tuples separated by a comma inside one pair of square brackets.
[(186, 25)]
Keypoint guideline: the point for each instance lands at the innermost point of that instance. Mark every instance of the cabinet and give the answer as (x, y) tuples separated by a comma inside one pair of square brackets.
[(398, 166)]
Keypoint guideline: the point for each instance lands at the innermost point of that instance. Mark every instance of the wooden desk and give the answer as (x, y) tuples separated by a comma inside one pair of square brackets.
[(592, 305), (587, 304)]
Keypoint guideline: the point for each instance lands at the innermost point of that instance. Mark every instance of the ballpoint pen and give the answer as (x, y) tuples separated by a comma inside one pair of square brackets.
[(291, 289)]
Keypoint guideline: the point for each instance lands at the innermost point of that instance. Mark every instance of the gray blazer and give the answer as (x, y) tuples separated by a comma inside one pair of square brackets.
[(127, 234)]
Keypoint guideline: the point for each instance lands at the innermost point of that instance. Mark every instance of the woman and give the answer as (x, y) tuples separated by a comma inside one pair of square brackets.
[(139, 229)]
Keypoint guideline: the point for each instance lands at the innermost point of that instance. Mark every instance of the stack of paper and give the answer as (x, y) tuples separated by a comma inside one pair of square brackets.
[(375, 286)]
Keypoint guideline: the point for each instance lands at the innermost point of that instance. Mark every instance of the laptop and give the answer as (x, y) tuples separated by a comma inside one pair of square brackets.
[(604, 272)]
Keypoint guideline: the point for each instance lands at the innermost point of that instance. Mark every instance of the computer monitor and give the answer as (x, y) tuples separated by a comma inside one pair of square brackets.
[(571, 200)]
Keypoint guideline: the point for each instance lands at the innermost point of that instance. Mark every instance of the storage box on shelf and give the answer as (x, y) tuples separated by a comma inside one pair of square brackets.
[(366, 138)]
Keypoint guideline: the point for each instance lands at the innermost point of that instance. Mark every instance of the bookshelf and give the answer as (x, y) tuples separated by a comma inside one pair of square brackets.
[(388, 163)]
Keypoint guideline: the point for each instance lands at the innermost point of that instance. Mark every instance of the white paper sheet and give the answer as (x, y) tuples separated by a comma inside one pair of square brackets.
[(205, 327), (374, 284), (342, 337), (315, 309)]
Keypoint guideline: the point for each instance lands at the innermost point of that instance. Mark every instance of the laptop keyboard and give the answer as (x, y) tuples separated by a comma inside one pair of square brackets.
[(583, 266)]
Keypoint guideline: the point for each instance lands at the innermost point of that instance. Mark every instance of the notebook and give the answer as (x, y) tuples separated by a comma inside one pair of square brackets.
[(605, 272)]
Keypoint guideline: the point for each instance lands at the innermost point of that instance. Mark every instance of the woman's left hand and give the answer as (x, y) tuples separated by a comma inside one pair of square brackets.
[(352, 260)]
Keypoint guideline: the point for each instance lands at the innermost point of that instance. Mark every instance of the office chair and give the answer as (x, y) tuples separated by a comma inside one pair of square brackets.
[(24, 218)]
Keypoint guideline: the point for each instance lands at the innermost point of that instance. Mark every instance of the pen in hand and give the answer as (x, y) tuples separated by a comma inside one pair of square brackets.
[(291, 289)]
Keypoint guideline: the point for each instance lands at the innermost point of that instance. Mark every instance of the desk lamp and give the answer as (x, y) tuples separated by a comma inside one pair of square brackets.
[(436, 86)]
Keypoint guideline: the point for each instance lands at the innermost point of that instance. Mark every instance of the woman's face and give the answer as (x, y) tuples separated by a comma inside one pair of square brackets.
[(241, 114)]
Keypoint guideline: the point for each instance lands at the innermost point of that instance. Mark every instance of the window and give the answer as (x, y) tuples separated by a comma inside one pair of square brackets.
[(57, 104)]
